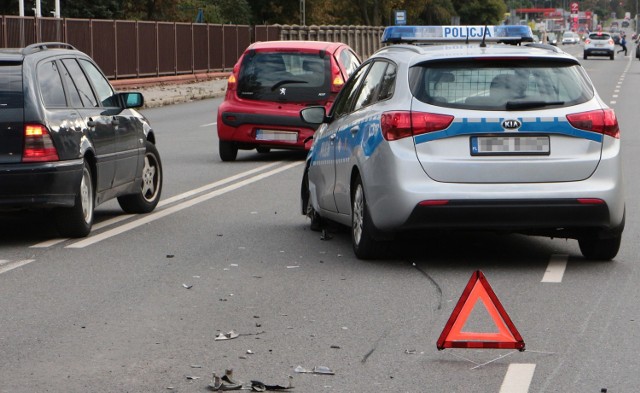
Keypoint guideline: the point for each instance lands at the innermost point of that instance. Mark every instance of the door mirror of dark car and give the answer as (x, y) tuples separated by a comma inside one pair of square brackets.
[(314, 114), (132, 99)]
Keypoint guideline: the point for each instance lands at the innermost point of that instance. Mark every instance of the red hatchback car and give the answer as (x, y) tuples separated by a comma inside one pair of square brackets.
[(269, 85)]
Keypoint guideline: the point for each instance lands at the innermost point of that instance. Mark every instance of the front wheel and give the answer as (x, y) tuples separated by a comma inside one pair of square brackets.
[(364, 245), (595, 248), (76, 221), (147, 198)]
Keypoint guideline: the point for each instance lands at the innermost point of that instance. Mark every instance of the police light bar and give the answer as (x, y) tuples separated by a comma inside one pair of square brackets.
[(502, 33)]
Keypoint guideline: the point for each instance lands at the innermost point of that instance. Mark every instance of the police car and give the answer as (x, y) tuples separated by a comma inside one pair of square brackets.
[(467, 134)]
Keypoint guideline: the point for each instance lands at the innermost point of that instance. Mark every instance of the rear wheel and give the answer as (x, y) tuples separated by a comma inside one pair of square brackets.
[(611, 56), (228, 150), (596, 248), (147, 198), (76, 221), (584, 56), (364, 246)]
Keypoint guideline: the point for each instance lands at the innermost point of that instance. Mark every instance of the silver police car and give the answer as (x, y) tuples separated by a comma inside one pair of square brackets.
[(471, 135)]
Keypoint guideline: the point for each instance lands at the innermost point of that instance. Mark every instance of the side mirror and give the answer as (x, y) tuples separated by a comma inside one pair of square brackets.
[(314, 115), (131, 99)]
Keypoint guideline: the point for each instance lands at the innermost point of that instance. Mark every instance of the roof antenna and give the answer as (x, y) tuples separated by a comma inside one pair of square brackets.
[(484, 35)]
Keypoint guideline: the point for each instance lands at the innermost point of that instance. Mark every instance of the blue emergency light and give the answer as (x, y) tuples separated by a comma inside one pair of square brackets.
[(426, 34)]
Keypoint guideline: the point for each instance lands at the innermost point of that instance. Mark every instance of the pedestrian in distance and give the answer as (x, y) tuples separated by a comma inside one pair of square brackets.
[(623, 44)]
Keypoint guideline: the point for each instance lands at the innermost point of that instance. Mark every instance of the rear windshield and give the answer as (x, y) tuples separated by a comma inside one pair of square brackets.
[(11, 85), (599, 36), (285, 77), (500, 85)]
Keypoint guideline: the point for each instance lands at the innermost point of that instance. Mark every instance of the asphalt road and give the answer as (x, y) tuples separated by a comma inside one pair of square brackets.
[(136, 306)]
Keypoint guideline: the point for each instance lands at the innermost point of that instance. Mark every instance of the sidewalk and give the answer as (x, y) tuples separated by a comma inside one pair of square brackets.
[(175, 89)]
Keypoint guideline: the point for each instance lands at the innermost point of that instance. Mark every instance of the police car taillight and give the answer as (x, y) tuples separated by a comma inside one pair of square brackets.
[(401, 124), (602, 121)]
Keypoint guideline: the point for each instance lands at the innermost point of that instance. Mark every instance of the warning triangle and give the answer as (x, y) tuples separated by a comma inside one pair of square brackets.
[(479, 290)]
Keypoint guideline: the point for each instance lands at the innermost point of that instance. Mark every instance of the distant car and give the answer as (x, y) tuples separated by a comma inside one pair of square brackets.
[(270, 83), (599, 44), (570, 37), (616, 38), (524, 32), (484, 137), (552, 39), (68, 141), (625, 23)]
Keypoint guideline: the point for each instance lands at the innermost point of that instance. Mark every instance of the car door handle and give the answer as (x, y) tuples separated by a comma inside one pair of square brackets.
[(115, 121), (92, 123), (354, 130), (333, 137)]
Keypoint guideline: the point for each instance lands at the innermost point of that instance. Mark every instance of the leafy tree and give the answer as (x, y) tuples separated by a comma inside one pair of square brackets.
[(480, 12)]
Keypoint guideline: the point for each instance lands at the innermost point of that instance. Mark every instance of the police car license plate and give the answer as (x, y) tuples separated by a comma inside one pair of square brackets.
[(505, 145), (275, 135)]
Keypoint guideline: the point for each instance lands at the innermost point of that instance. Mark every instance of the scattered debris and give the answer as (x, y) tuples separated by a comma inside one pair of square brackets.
[(335, 347), (188, 286), (196, 366), (218, 384), (316, 370), (250, 352), (410, 351), (325, 235), (191, 377), (258, 386), (292, 267), (170, 255), (226, 336)]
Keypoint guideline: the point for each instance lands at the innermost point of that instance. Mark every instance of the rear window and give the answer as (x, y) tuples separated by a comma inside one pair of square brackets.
[(285, 77), (599, 36), (11, 95), (500, 84)]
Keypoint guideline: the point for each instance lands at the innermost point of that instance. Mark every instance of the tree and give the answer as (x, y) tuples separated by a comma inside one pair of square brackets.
[(480, 12)]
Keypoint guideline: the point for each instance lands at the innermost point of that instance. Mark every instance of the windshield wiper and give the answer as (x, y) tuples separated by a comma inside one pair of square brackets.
[(531, 104), (284, 82)]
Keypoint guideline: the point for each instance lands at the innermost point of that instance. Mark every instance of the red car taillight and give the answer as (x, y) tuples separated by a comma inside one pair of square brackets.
[(587, 41), (401, 124), (602, 121), (337, 81), (38, 145)]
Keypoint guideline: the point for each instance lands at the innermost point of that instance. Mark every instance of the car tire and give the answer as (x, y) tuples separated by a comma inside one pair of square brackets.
[(228, 150), (584, 56), (263, 150), (611, 56), (76, 221), (364, 245), (307, 209), (147, 198), (601, 249)]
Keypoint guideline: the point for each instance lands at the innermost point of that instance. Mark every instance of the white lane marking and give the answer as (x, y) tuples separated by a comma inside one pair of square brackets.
[(555, 269), (210, 124), (5, 266), (216, 184), (115, 220), (612, 102), (176, 208), (518, 378)]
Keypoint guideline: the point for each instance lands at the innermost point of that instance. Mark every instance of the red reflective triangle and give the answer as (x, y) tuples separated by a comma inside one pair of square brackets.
[(478, 289)]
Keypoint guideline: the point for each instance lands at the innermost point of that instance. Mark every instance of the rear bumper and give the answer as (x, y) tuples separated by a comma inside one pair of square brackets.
[(242, 128), (562, 217), (39, 185), (598, 52)]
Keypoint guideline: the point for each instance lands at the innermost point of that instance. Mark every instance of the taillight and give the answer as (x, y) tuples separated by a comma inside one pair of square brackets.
[(336, 79), (602, 121), (402, 124), (587, 41), (232, 82), (38, 145)]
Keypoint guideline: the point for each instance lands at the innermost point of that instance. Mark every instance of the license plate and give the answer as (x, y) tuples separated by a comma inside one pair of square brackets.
[(505, 145), (275, 135)]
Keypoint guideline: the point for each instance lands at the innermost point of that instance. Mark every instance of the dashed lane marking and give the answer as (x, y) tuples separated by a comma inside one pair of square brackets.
[(518, 378), (6, 266), (555, 269)]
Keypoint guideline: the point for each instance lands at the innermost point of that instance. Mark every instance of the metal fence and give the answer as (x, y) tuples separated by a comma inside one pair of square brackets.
[(134, 49)]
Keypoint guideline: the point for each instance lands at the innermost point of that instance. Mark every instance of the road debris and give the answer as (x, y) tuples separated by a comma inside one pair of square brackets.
[(188, 286), (316, 370), (226, 336)]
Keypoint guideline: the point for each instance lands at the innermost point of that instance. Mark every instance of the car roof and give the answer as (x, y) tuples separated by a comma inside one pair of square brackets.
[(419, 53), (315, 45)]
